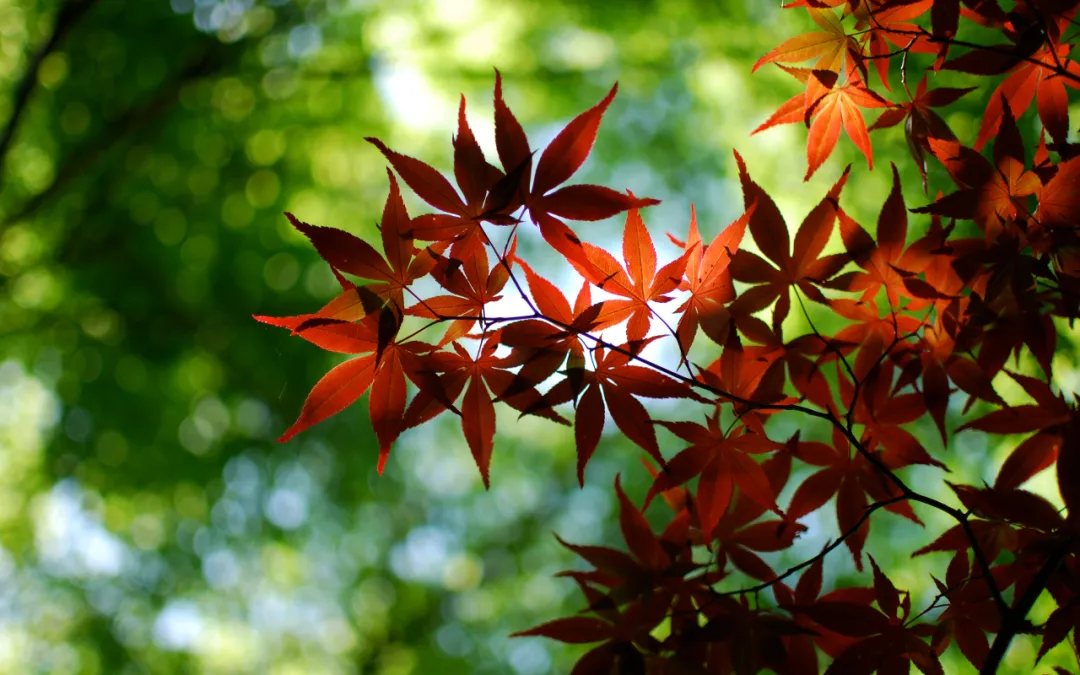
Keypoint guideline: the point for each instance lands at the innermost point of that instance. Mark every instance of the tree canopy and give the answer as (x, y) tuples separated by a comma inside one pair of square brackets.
[(147, 153)]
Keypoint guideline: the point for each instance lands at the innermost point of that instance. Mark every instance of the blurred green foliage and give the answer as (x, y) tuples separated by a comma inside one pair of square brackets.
[(149, 521)]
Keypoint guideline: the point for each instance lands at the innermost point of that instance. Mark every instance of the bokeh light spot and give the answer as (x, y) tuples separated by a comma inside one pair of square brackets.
[(265, 147), (75, 119), (281, 272), (131, 373), (262, 189), (53, 70)]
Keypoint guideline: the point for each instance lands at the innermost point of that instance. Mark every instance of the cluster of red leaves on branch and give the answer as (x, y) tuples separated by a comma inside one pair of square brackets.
[(927, 321)]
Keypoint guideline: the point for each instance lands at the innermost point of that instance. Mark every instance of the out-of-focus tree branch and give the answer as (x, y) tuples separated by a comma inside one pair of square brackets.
[(69, 14), (202, 64)]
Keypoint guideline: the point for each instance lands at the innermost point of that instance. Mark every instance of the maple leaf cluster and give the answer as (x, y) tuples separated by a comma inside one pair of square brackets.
[(925, 322)]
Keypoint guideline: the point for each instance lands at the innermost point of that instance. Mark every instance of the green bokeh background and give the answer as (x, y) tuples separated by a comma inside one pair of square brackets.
[(148, 521)]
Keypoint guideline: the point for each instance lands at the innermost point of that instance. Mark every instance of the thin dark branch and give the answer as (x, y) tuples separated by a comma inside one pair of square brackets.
[(485, 322), (905, 492), (1062, 72), (684, 358), (1015, 619), (959, 516), (942, 595), (831, 546)]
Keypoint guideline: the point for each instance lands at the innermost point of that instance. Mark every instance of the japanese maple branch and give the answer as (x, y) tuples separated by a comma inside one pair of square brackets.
[(905, 491), (1013, 620), (1045, 25), (830, 547), (944, 593), (857, 383), (484, 321), (846, 429), (961, 517), (922, 32), (684, 359), (610, 346), (828, 345)]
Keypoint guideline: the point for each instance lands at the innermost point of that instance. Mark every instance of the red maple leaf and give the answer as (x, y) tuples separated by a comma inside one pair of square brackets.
[(883, 260), (886, 641), (921, 123), (836, 108), (740, 533), (849, 476), (615, 384), (750, 378), (888, 29), (945, 16), (544, 344), (477, 179), (1059, 198), (971, 613), (807, 592), (382, 370), (559, 161), (631, 594), (802, 268), (472, 286), (826, 108), (1033, 76), (347, 253), (708, 281), (642, 285), (484, 378), (992, 195), (827, 46), (724, 462)]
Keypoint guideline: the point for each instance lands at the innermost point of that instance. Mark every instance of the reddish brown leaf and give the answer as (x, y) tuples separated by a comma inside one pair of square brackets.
[(478, 423), (344, 251), (570, 147), (847, 618), (888, 599), (574, 630), (1029, 458), (333, 393), (1068, 469), (1059, 199), (425, 181), (637, 532), (835, 110), (510, 140), (588, 425), (386, 405), (590, 202)]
